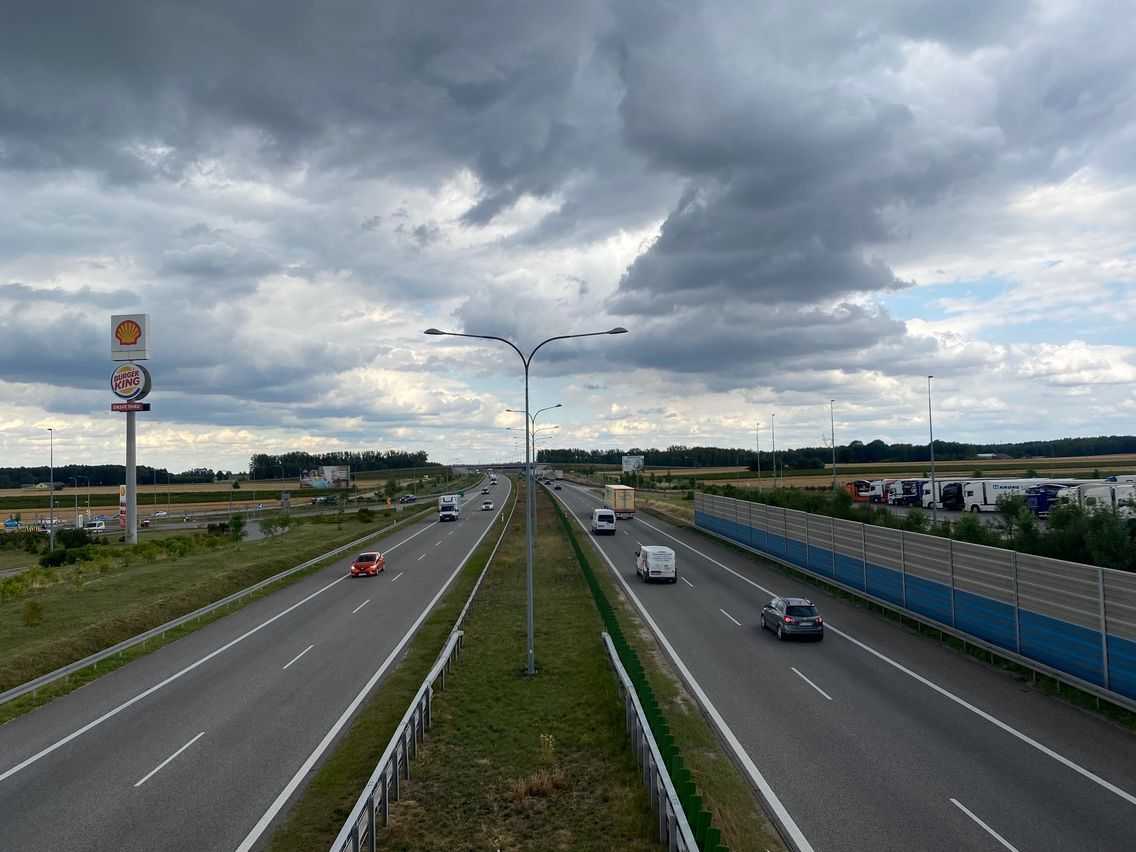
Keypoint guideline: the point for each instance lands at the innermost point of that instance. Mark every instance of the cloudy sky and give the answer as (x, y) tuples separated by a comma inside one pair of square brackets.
[(781, 207)]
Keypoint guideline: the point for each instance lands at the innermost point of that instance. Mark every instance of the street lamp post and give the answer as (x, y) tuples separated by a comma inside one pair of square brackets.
[(51, 488), (530, 667), (832, 426), (773, 428), (931, 432), (757, 445)]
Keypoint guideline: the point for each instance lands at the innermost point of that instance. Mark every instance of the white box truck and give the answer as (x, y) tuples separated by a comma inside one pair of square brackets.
[(449, 507), (620, 499)]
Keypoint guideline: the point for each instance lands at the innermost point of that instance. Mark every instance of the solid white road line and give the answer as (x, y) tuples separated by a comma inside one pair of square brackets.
[(110, 713), (298, 656), (396, 576), (687, 582), (157, 768), (813, 685), (333, 732), (367, 601), (738, 623), (798, 839), (987, 828), (1096, 779)]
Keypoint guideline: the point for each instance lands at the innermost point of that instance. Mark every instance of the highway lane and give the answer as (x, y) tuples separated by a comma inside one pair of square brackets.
[(863, 754), (190, 747)]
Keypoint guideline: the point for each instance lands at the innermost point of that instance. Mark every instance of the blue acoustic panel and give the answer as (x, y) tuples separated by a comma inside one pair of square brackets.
[(885, 584), (776, 545), (796, 552), (850, 571), (1122, 666), (820, 561), (1068, 647), (985, 618), (929, 598)]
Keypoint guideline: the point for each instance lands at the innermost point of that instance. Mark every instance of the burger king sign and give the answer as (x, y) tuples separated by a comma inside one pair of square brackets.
[(130, 381)]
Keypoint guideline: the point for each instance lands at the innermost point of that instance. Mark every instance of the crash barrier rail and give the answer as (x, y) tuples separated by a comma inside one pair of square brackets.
[(1073, 622), (669, 762), (674, 828), (66, 671), (359, 830)]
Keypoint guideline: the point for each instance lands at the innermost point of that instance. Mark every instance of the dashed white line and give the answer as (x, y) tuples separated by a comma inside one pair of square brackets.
[(687, 582), (810, 683), (298, 656), (396, 576), (157, 768), (439, 541), (738, 623), (367, 601), (420, 558), (985, 827)]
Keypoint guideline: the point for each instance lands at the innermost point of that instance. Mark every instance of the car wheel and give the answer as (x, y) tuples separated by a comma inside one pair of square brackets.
[(763, 627), (820, 638), (780, 633)]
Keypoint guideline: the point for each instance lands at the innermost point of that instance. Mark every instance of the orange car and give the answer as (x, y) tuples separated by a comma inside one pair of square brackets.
[(369, 563)]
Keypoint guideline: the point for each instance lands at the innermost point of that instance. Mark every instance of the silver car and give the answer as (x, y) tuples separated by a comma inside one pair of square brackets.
[(788, 617)]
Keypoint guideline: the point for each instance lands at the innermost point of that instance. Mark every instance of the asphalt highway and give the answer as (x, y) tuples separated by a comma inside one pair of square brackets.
[(878, 737), (202, 744)]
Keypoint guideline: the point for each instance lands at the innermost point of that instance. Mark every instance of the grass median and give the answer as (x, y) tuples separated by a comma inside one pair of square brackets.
[(70, 612), (511, 762)]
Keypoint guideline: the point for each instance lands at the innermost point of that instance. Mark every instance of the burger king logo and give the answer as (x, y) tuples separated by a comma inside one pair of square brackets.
[(128, 333), (130, 381)]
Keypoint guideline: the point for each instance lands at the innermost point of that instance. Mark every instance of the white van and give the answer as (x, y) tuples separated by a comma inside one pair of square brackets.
[(603, 522), (95, 526), (654, 562)]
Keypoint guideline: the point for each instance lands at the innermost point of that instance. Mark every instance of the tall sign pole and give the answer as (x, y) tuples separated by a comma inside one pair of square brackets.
[(130, 382)]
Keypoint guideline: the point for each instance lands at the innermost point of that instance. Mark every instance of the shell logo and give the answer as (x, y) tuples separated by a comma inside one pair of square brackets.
[(128, 333), (130, 381)]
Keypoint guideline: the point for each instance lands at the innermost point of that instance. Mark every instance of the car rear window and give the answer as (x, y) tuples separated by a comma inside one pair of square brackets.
[(802, 611)]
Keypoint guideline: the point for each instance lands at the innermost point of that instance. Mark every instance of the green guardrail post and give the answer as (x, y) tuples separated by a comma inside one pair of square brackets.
[(693, 806), (713, 835), (701, 823)]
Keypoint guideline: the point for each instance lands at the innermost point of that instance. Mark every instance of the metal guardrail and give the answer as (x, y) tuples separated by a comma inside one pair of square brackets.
[(359, 830), (33, 686), (674, 829)]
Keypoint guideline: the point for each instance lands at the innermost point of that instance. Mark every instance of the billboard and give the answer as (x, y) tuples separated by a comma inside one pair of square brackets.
[(632, 464), (328, 476)]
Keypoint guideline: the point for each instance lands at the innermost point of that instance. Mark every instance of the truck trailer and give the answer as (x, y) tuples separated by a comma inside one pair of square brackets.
[(621, 500)]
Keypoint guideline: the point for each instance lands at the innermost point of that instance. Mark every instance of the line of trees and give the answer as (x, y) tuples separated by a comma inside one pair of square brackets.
[(267, 466), (857, 452)]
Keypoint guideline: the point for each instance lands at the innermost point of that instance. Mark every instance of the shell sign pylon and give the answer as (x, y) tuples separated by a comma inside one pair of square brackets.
[(130, 337)]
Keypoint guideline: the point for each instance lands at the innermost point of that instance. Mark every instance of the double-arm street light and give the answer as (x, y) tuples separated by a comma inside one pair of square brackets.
[(530, 667), (931, 431)]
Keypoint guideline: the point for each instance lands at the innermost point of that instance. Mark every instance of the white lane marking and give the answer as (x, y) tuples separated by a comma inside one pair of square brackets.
[(790, 826), (987, 828), (687, 582), (298, 656), (738, 623), (437, 543), (333, 732), (810, 683), (420, 558), (1014, 732), (110, 713), (396, 576), (367, 601), (157, 768)]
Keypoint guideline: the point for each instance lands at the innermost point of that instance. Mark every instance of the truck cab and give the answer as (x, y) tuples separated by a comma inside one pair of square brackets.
[(449, 507)]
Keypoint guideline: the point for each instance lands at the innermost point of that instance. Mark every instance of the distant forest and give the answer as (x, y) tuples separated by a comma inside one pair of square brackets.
[(261, 466), (813, 458)]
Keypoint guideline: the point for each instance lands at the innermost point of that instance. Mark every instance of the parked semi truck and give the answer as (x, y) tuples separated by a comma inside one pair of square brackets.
[(620, 499)]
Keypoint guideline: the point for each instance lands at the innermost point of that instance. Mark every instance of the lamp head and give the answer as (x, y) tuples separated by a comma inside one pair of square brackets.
[(433, 331), (618, 330)]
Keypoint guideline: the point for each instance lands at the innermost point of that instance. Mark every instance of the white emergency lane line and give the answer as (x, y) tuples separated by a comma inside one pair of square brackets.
[(1014, 732), (298, 656), (687, 582), (157, 768), (396, 576), (738, 623), (810, 683), (367, 601), (985, 827)]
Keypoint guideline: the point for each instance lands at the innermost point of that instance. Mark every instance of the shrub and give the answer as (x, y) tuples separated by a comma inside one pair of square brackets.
[(33, 613)]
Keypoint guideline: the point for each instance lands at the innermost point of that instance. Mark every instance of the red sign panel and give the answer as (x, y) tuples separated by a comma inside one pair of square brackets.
[(130, 406)]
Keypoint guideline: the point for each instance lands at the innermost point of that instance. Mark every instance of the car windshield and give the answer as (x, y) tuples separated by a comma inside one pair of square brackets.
[(367, 557), (802, 611)]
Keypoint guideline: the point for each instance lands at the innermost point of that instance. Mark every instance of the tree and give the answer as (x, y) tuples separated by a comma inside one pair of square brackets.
[(1016, 519), (392, 487), (237, 527)]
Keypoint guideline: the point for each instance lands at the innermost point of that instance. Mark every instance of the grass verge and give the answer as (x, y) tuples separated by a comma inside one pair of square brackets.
[(88, 612), (511, 762)]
